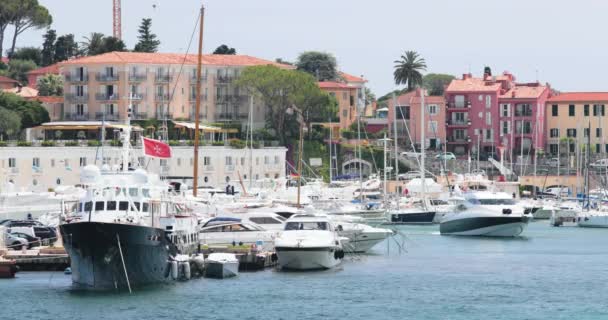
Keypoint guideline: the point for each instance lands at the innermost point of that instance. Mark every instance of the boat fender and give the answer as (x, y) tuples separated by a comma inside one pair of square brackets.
[(341, 254), (168, 269), (199, 261), (274, 257), (187, 273), (174, 270)]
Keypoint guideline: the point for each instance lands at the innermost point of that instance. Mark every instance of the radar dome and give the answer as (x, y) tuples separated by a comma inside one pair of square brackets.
[(89, 174)]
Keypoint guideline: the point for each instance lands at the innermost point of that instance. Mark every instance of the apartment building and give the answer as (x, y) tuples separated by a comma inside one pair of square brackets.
[(407, 108), (577, 118), (160, 85), (349, 94), (41, 168), (486, 113)]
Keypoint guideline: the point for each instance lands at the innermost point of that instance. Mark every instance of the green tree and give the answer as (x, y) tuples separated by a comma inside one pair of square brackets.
[(279, 89), (224, 49), (113, 44), (369, 96), (48, 48), (32, 113), (407, 70), (18, 69), (321, 65), (28, 53), (147, 39), (28, 14), (8, 9), (93, 44), (281, 61), (10, 123), (65, 48), (435, 83), (50, 85)]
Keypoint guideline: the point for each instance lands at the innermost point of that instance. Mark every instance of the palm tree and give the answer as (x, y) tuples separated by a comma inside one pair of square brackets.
[(93, 44), (407, 70)]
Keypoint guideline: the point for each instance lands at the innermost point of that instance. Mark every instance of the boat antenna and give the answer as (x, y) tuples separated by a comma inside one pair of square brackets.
[(197, 110)]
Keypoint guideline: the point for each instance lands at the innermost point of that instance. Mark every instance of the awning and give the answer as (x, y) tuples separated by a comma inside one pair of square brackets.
[(204, 128), (83, 125)]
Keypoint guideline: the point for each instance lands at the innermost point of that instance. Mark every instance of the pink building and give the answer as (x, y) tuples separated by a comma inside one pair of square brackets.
[(488, 113), (408, 110)]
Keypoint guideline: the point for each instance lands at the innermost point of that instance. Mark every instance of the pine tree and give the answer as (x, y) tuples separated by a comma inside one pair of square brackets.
[(48, 48), (65, 47), (147, 39)]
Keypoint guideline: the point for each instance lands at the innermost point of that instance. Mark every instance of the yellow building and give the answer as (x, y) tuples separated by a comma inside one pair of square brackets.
[(574, 118)]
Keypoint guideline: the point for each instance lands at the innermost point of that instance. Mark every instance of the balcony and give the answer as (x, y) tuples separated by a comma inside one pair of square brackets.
[(161, 97), (229, 167), (163, 78), (454, 123), (138, 96), (163, 115), (76, 116), (193, 78), (224, 79), (453, 106), (202, 116), (72, 97), (227, 116), (208, 168), (193, 97), (106, 97), (523, 113), (76, 78), (106, 116), (13, 170), (139, 115), (104, 77), (138, 77), (459, 140), (230, 98)]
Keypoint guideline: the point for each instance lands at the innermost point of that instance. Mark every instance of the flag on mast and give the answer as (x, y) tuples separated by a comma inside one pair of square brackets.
[(156, 148)]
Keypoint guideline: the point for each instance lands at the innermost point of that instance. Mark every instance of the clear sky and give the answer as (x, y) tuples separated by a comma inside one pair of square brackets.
[(564, 42)]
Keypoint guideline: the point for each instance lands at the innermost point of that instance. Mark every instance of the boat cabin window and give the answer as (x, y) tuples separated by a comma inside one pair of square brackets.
[(306, 226), (264, 220), (80, 205), (133, 192), (137, 206), (88, 206), (123, 206), (145, 193), (111, 206), (227, 228), (144, 207), (491, 202), (99, 206)]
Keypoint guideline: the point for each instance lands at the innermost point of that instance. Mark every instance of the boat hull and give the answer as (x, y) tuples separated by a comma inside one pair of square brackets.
[(418, 217), (221, 270), (95, 255), (485, 226), (359, 242), (599, 221), (290, 258)]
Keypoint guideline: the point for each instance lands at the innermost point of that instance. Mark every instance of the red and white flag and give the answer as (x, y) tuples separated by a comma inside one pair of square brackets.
[(156, 149)]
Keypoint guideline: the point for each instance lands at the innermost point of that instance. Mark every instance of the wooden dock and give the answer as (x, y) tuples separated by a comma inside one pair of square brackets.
[(43, 259)]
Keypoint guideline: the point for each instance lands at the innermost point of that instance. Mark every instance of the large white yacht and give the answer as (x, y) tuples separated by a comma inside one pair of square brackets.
[(309, 242), (226, 231), (486, 213)]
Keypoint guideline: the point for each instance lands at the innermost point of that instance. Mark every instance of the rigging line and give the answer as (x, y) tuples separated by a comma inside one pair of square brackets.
[(370, 149), (409, 136), (181, 67)]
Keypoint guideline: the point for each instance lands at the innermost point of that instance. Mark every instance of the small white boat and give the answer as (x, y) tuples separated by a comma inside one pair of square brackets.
[(309, 242), (221, 265)]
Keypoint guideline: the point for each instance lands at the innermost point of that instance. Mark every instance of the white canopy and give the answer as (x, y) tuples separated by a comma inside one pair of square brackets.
[(415, 185)]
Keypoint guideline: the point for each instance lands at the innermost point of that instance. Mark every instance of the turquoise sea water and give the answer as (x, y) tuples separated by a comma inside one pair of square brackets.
[(550, 273)]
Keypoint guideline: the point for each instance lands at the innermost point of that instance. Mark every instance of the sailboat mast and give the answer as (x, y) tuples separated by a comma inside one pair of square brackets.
[(396, 145), (359, 144), (197, 110), (329, 145), (250, 141), (422, 143)]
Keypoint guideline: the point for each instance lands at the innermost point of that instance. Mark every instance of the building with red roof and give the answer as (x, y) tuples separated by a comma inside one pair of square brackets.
[(32, 76), (574, 119), (491, 112), (8, 83)]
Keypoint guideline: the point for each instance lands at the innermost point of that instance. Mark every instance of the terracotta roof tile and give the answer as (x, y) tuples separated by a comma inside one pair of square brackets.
[(49, 99), (172, 58), (519, 92), (579, 96), (472, 84), (334, 85), (4, 79), (53, 69), (350, 77)]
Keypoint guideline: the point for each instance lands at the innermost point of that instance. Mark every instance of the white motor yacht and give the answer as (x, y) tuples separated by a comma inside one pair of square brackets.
[(309, 242), (221, 265), (485, 213), (226, 231)]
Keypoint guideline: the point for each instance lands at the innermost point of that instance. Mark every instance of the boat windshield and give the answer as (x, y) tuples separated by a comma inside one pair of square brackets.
[(492, 202), (306, 226)]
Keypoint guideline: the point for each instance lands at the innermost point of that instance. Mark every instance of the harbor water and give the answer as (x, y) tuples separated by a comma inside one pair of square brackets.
[(549, 273)]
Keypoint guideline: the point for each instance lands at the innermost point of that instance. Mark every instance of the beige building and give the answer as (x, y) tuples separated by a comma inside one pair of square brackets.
[(348, 93), (161, 85), (43, 168), (574, 118)]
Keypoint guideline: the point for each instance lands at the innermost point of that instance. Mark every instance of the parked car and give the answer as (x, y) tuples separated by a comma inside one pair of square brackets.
[(601, 163), (553, 162), (32, 228), (15, 242), (31, 241), (445, 156)]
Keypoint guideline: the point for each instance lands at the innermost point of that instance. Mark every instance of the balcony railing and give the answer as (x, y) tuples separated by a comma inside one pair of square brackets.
[(103, 77), (165, 115), (224, 79), (14, 170), (69, 77), (208, 168), (161, 97), (138, 96), (193, 97), (454, 105), (226, 116), (455, 122), (138, 77), (106, 116), (230, 98), (163, 78), (524, 113), (72, 97), (453, 139), (76, 116), (139, 116), (106, 97), (193, 78)]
